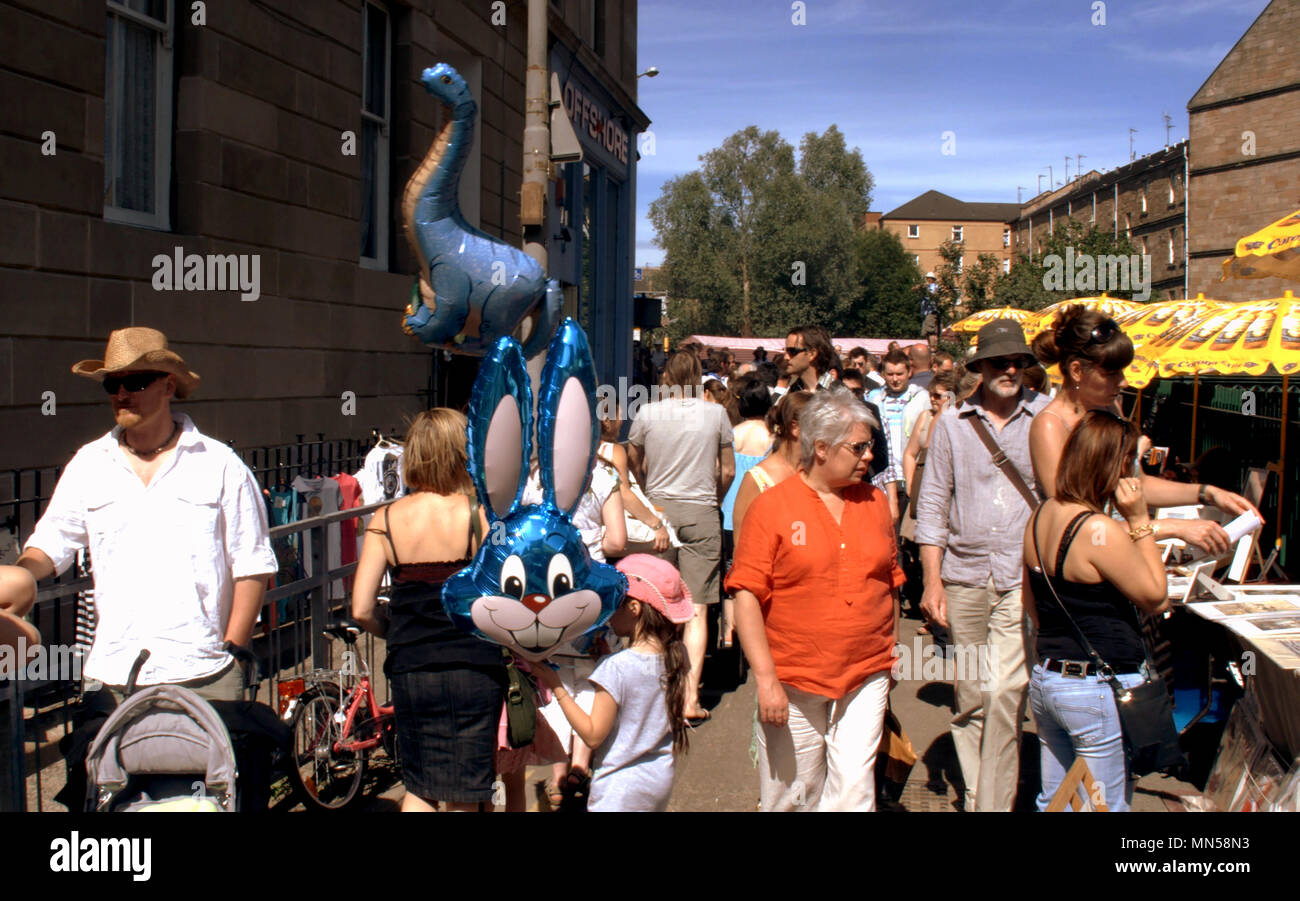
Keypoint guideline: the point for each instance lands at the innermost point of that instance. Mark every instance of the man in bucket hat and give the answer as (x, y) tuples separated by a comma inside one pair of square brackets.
[(175, 524), (970, 524)]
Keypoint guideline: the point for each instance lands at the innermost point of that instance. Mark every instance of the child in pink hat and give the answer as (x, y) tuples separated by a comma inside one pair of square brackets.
[(637, 722)]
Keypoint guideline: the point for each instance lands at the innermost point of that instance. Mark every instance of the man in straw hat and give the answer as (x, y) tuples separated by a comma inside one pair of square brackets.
[(175, 524), (970, 525)]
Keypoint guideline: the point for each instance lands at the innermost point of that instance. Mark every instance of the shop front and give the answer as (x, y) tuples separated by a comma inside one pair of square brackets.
[(591, 220)]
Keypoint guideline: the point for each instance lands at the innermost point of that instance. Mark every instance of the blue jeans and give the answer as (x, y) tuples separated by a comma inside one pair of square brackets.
[(1077, 718)]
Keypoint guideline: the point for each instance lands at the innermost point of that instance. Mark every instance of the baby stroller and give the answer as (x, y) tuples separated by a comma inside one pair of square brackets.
[(165, 748)]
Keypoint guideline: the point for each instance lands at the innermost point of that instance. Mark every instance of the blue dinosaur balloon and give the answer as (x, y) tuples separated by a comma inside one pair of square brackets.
[(532, 585), (472, 289)]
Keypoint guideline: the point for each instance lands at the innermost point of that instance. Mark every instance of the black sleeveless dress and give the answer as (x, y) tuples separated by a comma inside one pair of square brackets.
[(447, 686)]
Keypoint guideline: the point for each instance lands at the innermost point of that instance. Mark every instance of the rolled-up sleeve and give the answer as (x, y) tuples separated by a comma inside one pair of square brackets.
[(936, 486), (248, 541), (61, 531), (751, 568)]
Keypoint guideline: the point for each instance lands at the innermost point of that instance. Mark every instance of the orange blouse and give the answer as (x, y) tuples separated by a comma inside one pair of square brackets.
[(825, 588)]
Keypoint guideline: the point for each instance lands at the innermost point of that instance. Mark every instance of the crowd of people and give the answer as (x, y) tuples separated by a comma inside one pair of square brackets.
[(808, 495)]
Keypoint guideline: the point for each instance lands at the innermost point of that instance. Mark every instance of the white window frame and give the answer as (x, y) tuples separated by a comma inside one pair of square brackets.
[(1006, 266), (1006, 237), (1171, 246), (383, 192), (1173, 189), (1128, 226), (959, 264), (160, 218), (958, 234), (916, 258), (914, 231), (1144, 198)]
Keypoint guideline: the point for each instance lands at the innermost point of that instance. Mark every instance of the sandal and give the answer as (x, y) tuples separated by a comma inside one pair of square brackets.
[(551, 791), (577, 785)]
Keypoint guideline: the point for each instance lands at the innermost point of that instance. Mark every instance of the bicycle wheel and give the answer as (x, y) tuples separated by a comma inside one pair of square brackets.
[(326, 779)]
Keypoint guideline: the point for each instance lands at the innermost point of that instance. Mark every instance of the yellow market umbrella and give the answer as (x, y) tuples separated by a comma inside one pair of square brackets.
[(1155, 319), (1271, 252), (1111, 306), (1242, 338), (976, 321)]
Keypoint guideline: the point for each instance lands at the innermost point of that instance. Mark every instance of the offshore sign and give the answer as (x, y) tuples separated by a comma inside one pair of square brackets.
[(591, 117)]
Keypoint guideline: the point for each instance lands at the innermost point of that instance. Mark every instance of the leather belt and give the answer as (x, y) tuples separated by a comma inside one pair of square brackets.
[(1078, 669)]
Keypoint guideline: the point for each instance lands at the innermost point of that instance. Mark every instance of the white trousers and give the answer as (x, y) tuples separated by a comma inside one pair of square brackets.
[(824, 758)]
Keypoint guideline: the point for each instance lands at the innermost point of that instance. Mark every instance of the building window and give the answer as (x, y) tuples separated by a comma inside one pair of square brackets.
[(956, 234), (1146, 250), (598, 13), (138, 113), (1128, 226), (914, 231), (1006, 237), (1173, 189), (1171, 246), (1006, 267), (916, 258), (375, 53), (1144, 198), (959, 264)]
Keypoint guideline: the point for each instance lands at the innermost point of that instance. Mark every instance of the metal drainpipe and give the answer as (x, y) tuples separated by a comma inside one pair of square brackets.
[(1187, 259), (537, 157)]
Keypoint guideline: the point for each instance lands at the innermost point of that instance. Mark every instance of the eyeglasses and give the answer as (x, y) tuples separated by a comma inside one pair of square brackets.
[(134, 383), (1103, 333), (794, 351), (1004, 363), (859, 448)]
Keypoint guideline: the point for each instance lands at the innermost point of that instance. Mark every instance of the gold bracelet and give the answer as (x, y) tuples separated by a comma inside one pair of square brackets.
[(1143, 531)]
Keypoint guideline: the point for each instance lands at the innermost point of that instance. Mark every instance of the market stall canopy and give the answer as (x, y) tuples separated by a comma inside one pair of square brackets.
[(1240, 338), (1271, 252), (743, 348), (1155, 319), (976, 321), (1111, 306)]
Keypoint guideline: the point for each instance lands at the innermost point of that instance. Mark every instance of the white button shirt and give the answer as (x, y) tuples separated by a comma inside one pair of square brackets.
[(165, 555)]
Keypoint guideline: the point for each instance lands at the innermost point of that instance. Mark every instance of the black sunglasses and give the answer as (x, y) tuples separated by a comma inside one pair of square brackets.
[(1004, 363), (859, 448), (794, 351), (1103, 333), (134, 383)]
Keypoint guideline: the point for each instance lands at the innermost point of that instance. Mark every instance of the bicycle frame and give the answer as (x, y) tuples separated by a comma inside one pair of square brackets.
[(379, 718)]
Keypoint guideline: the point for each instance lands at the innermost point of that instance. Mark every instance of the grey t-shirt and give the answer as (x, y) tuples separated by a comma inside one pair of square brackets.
[(681, 440), (634, 765)]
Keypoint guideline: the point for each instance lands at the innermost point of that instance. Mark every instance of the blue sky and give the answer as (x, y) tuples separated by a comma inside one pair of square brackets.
[(1021, 83)]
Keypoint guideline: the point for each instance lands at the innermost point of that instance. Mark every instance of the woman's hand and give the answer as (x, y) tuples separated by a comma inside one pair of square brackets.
[(1229, 502), (1130, 500), (1144, 447), (773, 705), (1203, 533), (546, 675)]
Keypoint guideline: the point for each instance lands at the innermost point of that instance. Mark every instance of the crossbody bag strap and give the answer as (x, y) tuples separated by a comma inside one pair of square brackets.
[(1103, 668), (475, 527), (1002, 461)]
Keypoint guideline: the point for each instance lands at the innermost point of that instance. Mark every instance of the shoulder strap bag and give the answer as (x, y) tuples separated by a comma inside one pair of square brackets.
[(1002, 461), (1146, 713)]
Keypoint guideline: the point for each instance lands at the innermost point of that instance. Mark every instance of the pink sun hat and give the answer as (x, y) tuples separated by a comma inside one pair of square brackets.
[(658, 583)]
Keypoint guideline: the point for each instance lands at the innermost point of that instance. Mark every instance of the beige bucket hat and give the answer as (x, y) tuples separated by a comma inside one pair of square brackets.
[(142, 349)]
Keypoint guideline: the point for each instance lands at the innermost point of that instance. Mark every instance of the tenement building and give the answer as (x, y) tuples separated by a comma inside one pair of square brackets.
[(925, 222)]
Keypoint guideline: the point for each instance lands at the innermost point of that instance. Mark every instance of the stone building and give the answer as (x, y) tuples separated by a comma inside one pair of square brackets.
[(282, 133), (926, 222), (1245, 159), (1145, 201)]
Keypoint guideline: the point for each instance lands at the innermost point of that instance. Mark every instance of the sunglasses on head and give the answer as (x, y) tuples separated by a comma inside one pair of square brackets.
[(1103, 333), (794, 351), (134, 383), (1004, 363)]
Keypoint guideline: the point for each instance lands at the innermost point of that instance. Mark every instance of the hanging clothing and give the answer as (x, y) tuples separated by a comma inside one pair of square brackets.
[(318, 497), (381, 474)]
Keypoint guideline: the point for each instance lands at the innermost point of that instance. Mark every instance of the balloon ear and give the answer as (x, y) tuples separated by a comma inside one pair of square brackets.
[(500, 428), (567, 431)]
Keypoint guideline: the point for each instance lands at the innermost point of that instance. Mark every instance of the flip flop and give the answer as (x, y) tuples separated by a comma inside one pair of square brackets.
[(698, 719)]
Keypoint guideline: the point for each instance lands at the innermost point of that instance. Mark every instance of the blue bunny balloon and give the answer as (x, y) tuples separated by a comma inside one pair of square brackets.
[(532, 585)]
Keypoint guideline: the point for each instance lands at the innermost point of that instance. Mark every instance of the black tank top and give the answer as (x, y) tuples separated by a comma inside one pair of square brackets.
[(421, 636), (1101, 611)]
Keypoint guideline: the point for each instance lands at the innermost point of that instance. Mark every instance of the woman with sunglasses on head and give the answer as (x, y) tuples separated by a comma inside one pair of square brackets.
[(1100, 570), (1092, 353), (815, 578)]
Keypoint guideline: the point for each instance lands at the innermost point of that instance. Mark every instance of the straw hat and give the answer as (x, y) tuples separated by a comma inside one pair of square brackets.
[(139, 348)]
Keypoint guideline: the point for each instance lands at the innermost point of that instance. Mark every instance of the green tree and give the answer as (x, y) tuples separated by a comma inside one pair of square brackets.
[(887, 304), (1027, 285), (757, 244), (979, 281)]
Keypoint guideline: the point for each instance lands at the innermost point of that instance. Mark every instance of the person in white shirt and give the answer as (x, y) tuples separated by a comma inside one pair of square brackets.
[(175, 524)]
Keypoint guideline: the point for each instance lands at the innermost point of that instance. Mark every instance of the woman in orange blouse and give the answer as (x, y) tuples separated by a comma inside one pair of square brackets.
[(815, 579)]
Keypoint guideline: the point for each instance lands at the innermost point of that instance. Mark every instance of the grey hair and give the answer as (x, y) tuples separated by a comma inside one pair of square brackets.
[(830, 417)]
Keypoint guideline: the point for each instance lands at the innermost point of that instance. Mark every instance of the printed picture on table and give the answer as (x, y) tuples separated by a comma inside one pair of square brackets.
[(1259, 605)]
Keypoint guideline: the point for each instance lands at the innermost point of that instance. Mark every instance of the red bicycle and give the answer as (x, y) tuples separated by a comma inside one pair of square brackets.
[(336, 722)]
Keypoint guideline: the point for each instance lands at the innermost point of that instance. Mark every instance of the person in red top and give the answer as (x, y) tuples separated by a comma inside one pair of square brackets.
[(815, 580)]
